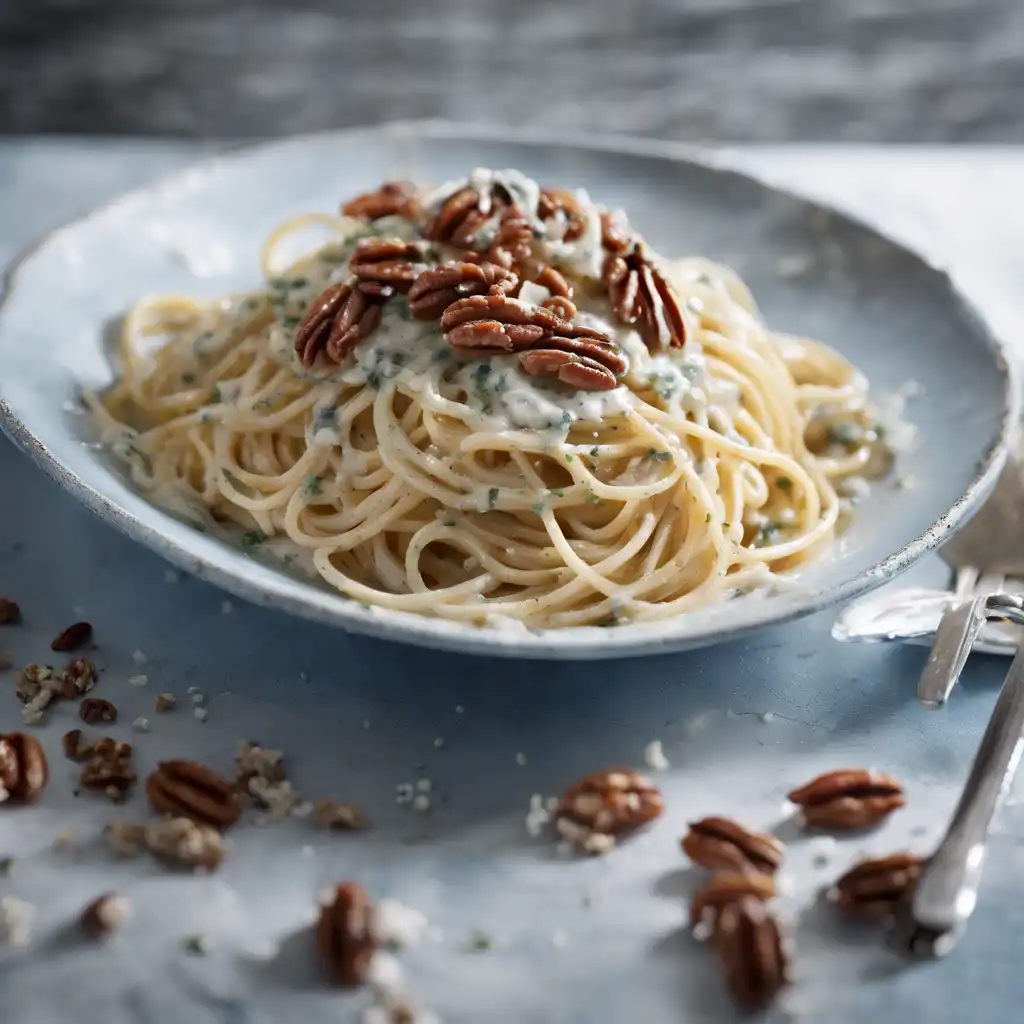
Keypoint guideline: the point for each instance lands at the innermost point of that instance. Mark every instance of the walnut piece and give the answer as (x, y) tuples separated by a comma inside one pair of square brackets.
[(24, 770), (848, 798), (339, 318), (94, 710), (186, 789), (337, 815), (125, 839), (77, 677), (723, 844), (345, 935)]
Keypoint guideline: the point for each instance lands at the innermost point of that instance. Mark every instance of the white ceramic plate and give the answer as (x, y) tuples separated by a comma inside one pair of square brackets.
[(895, 315)]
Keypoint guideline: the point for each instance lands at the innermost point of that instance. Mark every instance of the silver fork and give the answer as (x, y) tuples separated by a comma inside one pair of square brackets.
[(930, 922)]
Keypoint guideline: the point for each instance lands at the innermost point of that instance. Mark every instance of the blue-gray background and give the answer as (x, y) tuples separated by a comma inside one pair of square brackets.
[(739, 70)]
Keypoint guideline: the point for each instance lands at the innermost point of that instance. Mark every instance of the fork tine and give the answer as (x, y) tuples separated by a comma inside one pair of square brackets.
[(958, 629)]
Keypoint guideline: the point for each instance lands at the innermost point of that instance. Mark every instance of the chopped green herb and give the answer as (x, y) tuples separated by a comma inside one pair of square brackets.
[(595, 451), (449, 522), (278, 284), (217, 397), (558, 494), (366, 607), (707, 518), (568, 456), (290, 322), (767, 534), (400, 304), (323, 417), (502, 384), (479, 942), (539, 508), (299, 282), (253, 538), (492, 497), (594, 499), (849, 435), (311, 485), (880, 431), (188, 378), (566, 421), (653, 453), (784, 483)]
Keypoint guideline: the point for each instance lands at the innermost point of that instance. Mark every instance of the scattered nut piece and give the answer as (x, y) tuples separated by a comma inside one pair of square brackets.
[(6, 866), (185, 843), (73, 637), (724, 845), (604, 805), (24, 770), (874, 888), (32, 679), (335, 814), (345, 934), (65, 838), (196, 945), (10, 612), (141, 724), (77, 677), (727, 887), (138, 681), (750, 945), (165, 702), (94, 710), (74, 745), (191, 790), (124, 838), (201, 713), (105, 915), (16, 917), (848, 798), (109, 769)]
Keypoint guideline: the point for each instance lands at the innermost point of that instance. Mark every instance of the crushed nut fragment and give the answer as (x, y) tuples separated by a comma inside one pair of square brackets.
[(77, 677), (183, 842), (73, 637), (104, 915), (335, 814), (94, 710), (165, 702), (124, 838), (16, 918), (74, 745)]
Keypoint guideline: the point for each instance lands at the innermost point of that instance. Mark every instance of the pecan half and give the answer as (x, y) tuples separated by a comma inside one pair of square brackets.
[(389, 261), (461, 216), (561, 206), (576, 371), (186, 789), (848, 798), (607, 804), (513, 242), (74, 746), (338, 319), (438, 287), (497, 323), (723, 844), (641, 294), (337, 815), (393, 198), (73, 637), (874, 888), (560, 301), (77, 677), (10, 612), (24, 770), (93, 710), (750, 946), (345, 935), (727, 887)]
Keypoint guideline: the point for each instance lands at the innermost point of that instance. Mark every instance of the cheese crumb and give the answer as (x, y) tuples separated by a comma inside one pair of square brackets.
[(141, 724), (139, 658), (138, 681), (654, 756), (16, 917), (201, 714)]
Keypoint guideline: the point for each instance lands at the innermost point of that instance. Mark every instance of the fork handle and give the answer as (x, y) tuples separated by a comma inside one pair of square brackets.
[(946, 890)]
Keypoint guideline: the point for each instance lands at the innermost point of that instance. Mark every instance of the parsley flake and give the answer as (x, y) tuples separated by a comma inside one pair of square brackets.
[(492, 497), (253, 538)]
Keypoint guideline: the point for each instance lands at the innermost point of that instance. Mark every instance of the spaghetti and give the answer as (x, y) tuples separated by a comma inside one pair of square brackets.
[(417, 476)]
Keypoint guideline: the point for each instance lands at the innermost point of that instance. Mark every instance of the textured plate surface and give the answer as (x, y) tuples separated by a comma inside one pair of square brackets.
[(899, 318)]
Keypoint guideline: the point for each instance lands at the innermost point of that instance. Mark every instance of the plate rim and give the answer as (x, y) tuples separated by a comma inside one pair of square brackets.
[(577, 643)]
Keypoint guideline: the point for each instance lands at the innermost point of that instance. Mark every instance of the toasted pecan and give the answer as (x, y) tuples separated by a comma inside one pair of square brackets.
[(436, 288), (393, 198), (874, 888), (338, 319), (848, 798), (723, 844)]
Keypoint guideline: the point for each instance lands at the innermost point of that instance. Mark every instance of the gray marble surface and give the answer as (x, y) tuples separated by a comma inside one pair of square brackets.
[(595, 942), (750, 70)]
